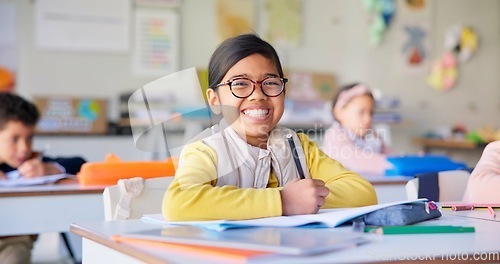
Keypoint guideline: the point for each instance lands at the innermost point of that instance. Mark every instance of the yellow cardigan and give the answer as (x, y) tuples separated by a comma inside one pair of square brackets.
[(194, 196)]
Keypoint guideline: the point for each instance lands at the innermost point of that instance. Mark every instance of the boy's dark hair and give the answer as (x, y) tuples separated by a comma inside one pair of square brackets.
[(346, 88), (235, 49), (16, 108)]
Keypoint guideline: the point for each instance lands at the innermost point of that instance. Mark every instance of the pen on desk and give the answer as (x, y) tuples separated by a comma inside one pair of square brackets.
[(295, 156), (462, 207), (492, 212), (411, 229)]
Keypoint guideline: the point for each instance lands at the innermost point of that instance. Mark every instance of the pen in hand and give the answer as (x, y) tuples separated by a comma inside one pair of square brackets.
[(295, 156)]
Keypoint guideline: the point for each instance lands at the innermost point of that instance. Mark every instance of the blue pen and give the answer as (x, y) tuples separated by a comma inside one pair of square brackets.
[(295, 156)]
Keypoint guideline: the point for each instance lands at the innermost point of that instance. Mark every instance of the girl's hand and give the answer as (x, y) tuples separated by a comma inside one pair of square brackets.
[(304, 196), (35, 168)]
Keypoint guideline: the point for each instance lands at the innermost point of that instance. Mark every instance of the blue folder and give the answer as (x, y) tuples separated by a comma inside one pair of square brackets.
[(414, 164)]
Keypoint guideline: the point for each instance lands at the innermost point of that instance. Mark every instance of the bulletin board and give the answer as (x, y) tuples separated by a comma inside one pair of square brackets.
[(71, 115)]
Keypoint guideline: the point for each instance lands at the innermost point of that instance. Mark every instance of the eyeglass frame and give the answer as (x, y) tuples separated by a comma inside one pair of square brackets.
[(254, 83)]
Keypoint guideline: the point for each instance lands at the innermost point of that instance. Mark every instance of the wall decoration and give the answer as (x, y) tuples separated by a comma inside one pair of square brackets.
[(416, 5), (415, 47), (283, 21), (234, 17), (444, 73), (156, 49), (8, 47), (82, 25), (381, 12), (71, 115), (461, 40)]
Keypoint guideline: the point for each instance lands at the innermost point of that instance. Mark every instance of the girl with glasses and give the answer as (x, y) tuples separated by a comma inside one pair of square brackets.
[(247, 166)]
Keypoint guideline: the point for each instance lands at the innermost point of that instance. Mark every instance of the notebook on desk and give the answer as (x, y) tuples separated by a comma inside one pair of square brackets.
[(20, 181), (290, 241), (324, 218)]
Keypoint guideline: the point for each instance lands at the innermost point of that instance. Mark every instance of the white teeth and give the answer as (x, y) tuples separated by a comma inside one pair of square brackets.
[(256, 112)]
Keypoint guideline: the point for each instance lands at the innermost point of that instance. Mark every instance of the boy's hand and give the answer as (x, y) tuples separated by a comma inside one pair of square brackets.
[(2, 175), (35, 168), (304, 196)]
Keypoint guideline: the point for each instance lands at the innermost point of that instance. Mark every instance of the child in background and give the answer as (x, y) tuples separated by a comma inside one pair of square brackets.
[(18, 118), (245, 169), (351, 139), (484, 181)]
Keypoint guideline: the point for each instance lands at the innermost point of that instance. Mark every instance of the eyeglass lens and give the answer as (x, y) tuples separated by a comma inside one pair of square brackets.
[(244, 87)]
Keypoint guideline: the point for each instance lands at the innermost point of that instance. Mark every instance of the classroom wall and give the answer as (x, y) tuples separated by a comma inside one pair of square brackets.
[(335, 39)]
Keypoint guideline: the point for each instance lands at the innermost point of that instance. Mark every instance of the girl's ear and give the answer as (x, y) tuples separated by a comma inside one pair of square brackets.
[(213, 101), (337, 114)]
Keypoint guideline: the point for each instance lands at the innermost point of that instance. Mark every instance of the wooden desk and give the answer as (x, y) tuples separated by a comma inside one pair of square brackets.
[(484, 243), (48, 208)]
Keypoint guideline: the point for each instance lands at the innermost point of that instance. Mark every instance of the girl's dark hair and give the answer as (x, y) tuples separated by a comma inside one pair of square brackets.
[(16, 108), (235, 49), (346, 88)]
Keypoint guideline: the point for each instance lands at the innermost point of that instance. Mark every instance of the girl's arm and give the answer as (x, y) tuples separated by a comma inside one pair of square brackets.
[(338, 146), (194, 196), (347, 189), (484, 181)]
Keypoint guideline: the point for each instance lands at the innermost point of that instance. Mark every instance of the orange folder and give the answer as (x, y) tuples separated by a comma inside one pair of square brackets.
[(113, 169), (228, 254)]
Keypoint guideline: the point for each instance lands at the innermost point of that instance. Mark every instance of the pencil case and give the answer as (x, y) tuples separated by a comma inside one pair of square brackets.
[(114, 169), (403, 214)]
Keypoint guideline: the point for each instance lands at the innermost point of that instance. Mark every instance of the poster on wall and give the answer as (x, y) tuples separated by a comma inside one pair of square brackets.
[(156, 49), (82, 25), (234, 17), (282, 20), (8, 46)]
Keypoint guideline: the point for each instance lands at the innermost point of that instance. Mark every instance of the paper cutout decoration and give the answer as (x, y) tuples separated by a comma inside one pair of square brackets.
[(6, 80), (415, 4), (234, 17), (382, 12), (461, 40), (444, 73), (414, 49), (283, 21)]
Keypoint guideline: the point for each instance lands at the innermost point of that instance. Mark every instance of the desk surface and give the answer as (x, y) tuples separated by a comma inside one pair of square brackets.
[(48, 208), (431, 247), (62, 187)]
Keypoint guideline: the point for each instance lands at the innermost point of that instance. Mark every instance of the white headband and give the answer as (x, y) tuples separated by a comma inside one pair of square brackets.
[(346, 96)]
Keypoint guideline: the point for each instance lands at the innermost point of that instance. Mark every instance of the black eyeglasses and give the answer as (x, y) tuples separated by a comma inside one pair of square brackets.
[(243, 87)]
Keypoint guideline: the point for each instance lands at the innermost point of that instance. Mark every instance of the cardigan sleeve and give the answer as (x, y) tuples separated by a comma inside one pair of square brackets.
[(347, 189), (194, 196), (484, 181)]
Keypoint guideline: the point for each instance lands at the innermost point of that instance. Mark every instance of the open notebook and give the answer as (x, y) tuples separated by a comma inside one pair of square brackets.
[(324, 218), (290, 241), (20, 181)]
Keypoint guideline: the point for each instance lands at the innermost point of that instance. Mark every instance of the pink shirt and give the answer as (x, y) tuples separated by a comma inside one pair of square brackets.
[(484, 182), (339, 145)]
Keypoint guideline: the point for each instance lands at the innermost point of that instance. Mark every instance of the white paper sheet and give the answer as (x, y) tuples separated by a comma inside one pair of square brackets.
[(15, 182)]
